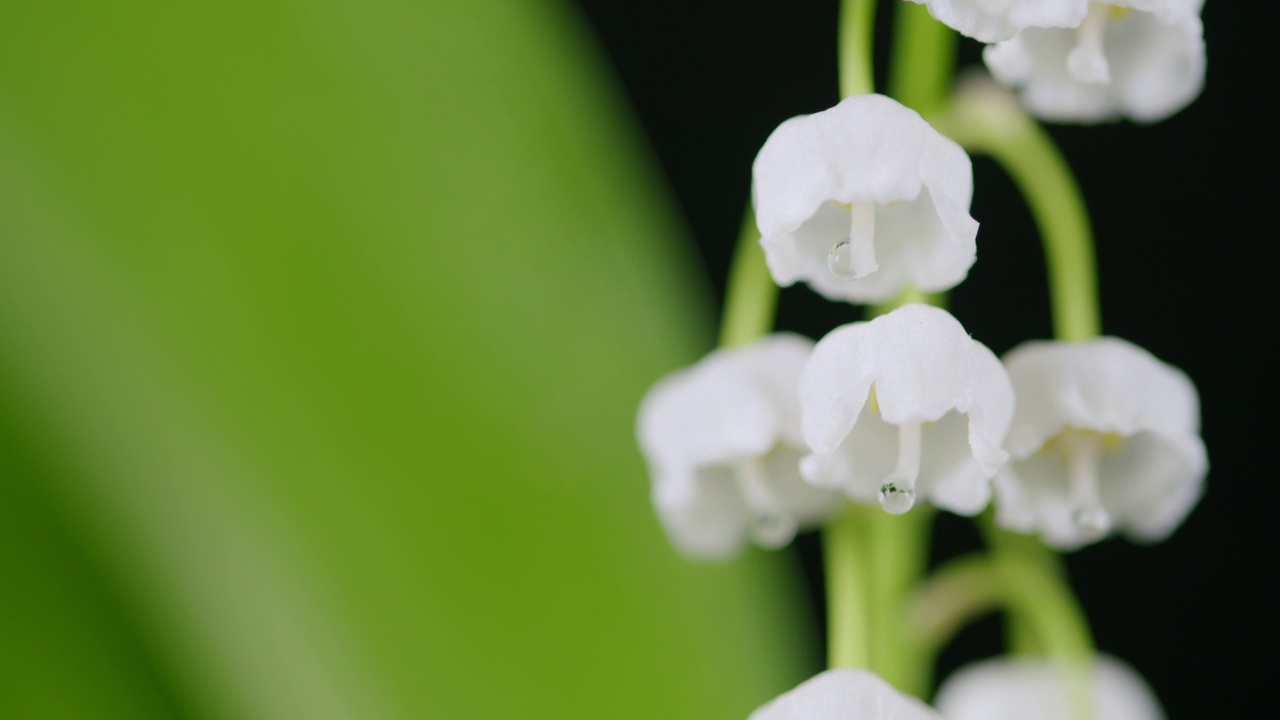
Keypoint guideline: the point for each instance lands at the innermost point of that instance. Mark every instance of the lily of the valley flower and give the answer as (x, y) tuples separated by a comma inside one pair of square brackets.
[(845, 694), (1140, 59), (1105, 437), (863, 200), (1021, 688), (996, 20), (905, 406), (722, 440)]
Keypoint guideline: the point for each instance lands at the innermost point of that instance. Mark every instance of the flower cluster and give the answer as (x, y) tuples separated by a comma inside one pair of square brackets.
[(866, 202), (752, 442)]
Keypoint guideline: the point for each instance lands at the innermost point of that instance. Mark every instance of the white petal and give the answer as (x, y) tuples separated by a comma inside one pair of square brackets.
[(1160, 64), (734, 403), (1110, 387), (1022, 688), (722, 440), (996, 20), (925, 369), (1105, 384), (867, 149), (845, 694), (703, 512), (1155, 483)]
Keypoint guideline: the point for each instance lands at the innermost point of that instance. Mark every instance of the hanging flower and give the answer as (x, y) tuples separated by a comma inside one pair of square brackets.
[(1105, 437), (845, 694), (1140, 59), (1021, 688), (996, 20), (863, 200), (902, 406), (722, 440)]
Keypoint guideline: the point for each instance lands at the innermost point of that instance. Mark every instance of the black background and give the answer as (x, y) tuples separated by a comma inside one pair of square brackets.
[(1187, 270)]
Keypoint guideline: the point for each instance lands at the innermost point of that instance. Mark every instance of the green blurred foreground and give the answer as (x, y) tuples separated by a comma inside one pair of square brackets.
[(322, 327)]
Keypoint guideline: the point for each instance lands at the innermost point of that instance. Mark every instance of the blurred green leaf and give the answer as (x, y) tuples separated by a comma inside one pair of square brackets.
[(325, 324)]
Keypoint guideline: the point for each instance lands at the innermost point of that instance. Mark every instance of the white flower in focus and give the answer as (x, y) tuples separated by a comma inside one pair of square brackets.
[(863, 200), (845, 694), (905, 406), (1022, 688), (1140, 59), (1105, 437), (996, 20), (722, 441)]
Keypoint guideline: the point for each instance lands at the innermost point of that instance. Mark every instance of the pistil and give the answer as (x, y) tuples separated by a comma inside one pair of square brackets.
[(1083, 452), (769, 525), (898, 493), (855, 256), (1087, 61)]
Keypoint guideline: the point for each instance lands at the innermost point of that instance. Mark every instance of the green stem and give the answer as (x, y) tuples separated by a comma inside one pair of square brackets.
[(957, 593), (966, 588), (910, 294), (857, 33), (751, 296), (923, 60), (987, 120), (899, 556), (847, 573)]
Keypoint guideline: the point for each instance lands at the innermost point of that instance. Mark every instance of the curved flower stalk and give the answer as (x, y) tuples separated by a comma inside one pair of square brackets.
[(996, 20), (1021, 688), (1105, 437), (845, 694), (905, 406), (722, 441), (1139, 59), (863, 200)]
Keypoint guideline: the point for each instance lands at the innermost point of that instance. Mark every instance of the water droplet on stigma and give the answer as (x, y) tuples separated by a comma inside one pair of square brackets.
[(896, 500), (772, 529), (840, 261), (1093, 523)]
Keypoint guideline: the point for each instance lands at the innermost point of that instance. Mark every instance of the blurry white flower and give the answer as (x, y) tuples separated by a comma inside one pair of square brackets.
[(902, 406), (1140, 59), (996, 20), (1105, 436), (845, 694), (722, 440), (862, 200), (1023, 688)]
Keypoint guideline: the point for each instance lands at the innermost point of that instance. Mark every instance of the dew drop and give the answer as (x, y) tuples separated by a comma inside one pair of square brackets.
[(896, 500), (772, 529), (841, 263), (1092, 522)]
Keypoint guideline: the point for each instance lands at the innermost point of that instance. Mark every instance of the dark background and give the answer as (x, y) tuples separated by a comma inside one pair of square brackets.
[(1187, 269)]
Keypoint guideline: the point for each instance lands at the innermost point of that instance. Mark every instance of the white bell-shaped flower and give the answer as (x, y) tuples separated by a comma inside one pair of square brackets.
[(722, 441), (996, 20), (1139, 59), (1105, 437), (863, 200), (845, 694), (1022, 688), (905, 406)]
